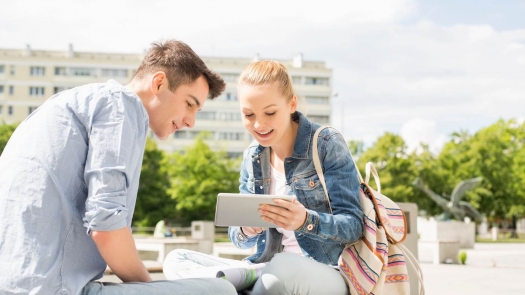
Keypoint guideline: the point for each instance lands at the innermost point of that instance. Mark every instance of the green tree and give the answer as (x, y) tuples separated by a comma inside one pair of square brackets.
[(518, 169), (153, 201), (6, 130), (494, 153), (395, 167), (197, 175), (433, 175), (356, 147)]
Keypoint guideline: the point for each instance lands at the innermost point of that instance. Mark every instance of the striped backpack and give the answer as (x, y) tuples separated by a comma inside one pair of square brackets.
[(376, 263)]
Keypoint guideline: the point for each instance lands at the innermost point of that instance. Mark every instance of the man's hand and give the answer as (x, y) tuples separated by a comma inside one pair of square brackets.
[(290, 216), (118, 249)]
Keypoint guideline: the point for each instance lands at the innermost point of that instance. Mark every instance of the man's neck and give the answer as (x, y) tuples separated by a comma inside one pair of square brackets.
[(142, 89)]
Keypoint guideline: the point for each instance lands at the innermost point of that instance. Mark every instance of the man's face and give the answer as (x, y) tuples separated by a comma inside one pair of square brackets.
[(172, 111)]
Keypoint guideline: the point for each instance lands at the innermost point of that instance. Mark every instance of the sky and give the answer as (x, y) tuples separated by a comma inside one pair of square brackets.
[(418, 68)]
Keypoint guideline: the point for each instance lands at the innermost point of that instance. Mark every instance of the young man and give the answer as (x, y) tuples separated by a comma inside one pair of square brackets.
[(69, 178)]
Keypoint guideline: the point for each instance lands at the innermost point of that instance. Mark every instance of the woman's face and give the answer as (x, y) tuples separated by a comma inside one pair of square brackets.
[(266, 112)]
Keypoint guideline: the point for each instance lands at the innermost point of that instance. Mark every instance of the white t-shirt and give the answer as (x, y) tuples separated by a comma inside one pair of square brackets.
[(278, 187)]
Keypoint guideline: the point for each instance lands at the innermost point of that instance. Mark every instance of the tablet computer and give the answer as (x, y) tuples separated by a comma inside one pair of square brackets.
[(243, 209)]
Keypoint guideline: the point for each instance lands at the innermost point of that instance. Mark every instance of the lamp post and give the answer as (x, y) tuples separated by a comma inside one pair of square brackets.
[(335, 95)]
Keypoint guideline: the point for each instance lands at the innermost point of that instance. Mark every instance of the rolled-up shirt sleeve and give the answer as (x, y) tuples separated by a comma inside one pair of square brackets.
[(108, 168)]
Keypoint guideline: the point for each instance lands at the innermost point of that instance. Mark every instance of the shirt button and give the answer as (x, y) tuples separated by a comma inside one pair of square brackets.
[(295, 180), (263, 241), (261, 187), (258, 161), (310, 227)]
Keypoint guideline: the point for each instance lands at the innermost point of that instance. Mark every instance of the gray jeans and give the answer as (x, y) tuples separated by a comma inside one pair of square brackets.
[(180, 287), (285, 274)]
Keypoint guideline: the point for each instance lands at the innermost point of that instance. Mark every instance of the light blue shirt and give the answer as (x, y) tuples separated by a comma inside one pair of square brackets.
[(71, 167)]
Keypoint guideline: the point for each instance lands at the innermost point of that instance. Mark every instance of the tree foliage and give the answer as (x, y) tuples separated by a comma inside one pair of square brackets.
[(6, 130), (395, 168), (496, 153), (153, 201), (197, 175)]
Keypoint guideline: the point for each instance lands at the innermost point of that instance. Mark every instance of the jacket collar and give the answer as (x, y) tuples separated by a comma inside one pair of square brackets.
[(304, 134)]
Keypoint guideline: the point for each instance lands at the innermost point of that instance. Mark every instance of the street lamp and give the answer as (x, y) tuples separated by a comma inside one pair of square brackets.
[(335, 95)]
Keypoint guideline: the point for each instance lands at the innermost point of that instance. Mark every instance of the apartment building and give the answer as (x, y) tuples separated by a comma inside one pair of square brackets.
[(28, 77)]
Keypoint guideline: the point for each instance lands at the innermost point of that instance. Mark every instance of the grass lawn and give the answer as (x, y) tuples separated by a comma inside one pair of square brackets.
[(501, 240)]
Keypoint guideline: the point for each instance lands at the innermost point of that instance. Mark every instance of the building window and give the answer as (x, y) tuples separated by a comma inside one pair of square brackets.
[(319, 119), (230, 77), (230, 136), (117, 73), (82, 72), (10, 110), (296, 80), (316, 99), (31, 109), (2, 68), (315, 81), (231, 96), (229, 116), (205, 115), (38, 71), (60, 71), (12, 71), (180, 134), (36, 91), (1, 89), (58, 89), (11, 90)]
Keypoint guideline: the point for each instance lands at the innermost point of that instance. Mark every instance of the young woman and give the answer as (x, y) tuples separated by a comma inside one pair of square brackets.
[(304, 247)]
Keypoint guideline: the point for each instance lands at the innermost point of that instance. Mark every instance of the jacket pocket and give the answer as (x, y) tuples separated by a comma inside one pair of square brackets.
[(311, 191)]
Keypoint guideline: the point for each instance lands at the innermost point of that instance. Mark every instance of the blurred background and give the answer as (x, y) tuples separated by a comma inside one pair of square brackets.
[(428, 90)]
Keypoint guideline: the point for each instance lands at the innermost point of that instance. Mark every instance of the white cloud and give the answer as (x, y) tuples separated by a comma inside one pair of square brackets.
[(417, 131), (389, 65)]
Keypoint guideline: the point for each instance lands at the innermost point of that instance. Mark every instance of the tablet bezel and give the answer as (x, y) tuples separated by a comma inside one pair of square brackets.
[(243, 209)]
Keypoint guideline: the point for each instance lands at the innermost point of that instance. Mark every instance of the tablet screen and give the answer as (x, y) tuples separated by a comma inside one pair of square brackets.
[(243, 209)]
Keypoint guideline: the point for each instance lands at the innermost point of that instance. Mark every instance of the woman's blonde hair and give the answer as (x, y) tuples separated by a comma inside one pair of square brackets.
[(266, 72)]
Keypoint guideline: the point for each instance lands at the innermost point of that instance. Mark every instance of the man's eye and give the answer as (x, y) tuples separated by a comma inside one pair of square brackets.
[(189, 104)]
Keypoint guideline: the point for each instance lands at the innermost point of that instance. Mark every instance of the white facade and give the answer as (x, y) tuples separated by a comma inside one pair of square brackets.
[(28, 77)]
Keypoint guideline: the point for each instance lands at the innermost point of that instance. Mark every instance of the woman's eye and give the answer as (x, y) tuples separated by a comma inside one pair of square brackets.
[(189, 104), (271, 114), (248, 115)]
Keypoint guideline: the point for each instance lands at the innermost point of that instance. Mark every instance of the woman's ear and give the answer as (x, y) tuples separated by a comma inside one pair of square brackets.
[(293, 104)]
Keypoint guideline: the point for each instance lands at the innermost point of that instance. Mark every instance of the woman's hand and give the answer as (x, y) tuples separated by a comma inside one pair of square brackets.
[(252, 231), (290, 215)]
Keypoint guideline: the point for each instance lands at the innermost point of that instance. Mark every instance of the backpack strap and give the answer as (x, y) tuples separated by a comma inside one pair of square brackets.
[(319, 169)]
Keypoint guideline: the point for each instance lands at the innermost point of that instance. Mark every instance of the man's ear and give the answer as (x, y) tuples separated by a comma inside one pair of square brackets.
[(158, 80)]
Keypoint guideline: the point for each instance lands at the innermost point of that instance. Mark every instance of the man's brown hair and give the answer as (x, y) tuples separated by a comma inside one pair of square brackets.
[(181, 65)]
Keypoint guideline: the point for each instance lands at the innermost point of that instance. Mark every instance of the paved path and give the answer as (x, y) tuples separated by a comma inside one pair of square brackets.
[(491, 269)]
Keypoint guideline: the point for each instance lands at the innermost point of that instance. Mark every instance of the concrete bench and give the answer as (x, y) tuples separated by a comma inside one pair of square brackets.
[(443, 251), (166, 245)]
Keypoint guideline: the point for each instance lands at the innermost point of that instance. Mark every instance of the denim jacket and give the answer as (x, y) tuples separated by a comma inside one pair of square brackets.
[(323, 236)]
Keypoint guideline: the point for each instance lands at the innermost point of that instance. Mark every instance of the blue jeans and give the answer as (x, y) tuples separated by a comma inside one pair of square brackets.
[(179, 287)]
